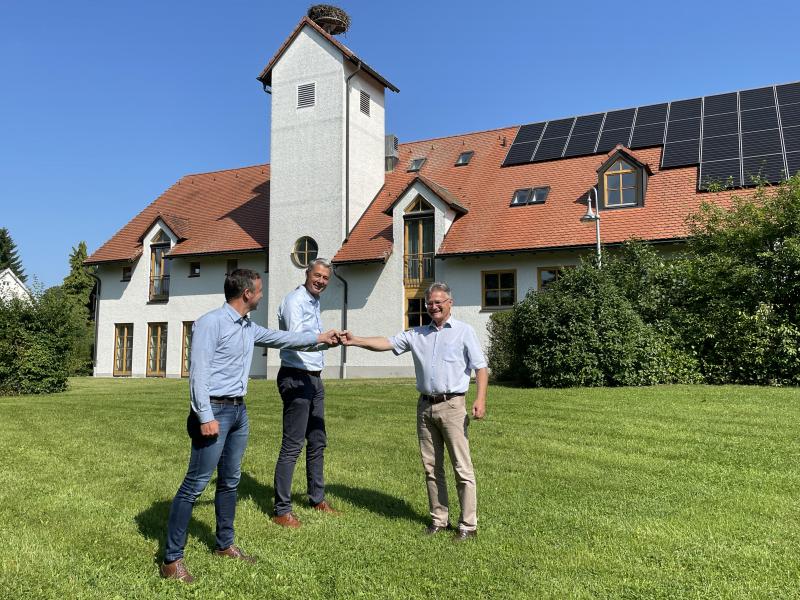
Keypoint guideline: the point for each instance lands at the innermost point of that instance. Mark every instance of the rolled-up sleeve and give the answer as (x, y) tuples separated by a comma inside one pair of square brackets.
[(274, 338), (204, 337)]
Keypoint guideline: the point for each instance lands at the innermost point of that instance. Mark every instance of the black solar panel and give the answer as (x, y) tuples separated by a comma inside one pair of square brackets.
[(790, 115), (721, 103), (791, 139), (756, 98), (768, 167), (685, 109), (715, 129), (681, 154), (789, 93), (580, 145), (647, 135), (793, 159), (722, 172), (719, 148), (550, 149), (687, 129), (618, 119), (654, 113), (723, 124), (759, 118), (757, 143)]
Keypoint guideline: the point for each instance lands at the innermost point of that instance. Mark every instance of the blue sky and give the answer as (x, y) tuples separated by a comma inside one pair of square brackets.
[(103, 105)]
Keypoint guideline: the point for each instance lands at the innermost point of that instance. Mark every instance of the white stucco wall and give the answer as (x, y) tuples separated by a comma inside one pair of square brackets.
[(189, 298), (12, 287)]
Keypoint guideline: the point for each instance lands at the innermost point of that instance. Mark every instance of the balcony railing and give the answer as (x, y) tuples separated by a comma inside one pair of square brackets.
[(159, 288), (418, 269)]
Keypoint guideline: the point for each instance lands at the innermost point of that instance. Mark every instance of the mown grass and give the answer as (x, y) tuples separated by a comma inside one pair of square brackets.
[(666, 492)]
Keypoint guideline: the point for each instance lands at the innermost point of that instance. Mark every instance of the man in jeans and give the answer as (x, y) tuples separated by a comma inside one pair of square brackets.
[(445, 353), (300, 386), (222, 350)]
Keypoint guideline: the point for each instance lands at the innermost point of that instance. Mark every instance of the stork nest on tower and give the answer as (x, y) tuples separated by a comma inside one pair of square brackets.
[(331, 18)]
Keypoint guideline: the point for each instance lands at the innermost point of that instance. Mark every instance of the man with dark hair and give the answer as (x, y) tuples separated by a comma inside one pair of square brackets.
[(445, 353), (222, 350), (303, 395)]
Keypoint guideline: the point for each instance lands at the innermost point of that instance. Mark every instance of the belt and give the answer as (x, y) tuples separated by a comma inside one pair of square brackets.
[(436, 398), (235, 400), (302, 371)]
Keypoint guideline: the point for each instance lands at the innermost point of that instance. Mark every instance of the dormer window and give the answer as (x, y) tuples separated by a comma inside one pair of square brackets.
[(464, 158), (621, 183), (416, 164), (526, 196)]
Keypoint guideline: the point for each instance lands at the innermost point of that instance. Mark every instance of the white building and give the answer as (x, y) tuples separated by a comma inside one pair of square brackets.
[(11, 286), (494, 213)]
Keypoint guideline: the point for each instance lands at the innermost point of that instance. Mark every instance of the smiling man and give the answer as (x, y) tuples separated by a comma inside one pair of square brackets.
[(300, 387), (445, 353)]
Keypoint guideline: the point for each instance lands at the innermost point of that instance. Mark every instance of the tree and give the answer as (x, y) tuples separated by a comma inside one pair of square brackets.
[(8, 255), (79, 283), (77, 289)]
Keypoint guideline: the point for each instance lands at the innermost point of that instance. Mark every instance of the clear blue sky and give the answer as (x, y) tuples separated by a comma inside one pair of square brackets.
[(103, 105)]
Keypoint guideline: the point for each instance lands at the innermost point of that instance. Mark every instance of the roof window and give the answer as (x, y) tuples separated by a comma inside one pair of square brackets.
[(416, 164), (525, 196), (464, 158)]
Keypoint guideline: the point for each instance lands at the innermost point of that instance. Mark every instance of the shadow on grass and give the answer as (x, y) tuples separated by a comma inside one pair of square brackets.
[(261, 494), (377, 502), (152, 524)]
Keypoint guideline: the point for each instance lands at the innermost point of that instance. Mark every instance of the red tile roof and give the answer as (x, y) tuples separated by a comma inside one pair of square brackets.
[(223, 211), (266, 75), (491, 225)]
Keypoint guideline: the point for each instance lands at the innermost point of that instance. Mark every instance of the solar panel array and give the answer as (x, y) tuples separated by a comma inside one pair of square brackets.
[(734, 137)]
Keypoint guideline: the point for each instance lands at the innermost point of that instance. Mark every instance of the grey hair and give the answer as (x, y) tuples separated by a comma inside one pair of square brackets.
[(438, 286), (319, 261)]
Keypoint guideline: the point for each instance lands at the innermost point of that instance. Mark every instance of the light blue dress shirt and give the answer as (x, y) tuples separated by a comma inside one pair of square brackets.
[(443, 358), (299, 312), (222, 350)]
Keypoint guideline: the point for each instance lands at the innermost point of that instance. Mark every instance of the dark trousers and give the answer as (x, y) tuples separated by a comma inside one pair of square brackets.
[(303, 421)]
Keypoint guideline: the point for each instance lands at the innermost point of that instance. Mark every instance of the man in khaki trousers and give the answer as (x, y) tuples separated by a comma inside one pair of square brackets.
[(445, 352)]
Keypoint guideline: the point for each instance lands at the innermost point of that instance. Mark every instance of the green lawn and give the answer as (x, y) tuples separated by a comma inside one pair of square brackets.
[(666, 492)]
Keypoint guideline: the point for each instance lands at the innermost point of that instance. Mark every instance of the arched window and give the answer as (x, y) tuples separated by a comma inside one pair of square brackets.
[(305, 250)]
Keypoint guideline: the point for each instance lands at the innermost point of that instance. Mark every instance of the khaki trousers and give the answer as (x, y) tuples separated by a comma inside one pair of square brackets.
[(439, 425)]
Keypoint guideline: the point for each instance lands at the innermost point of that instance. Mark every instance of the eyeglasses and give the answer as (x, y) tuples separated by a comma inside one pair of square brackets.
[(433, 303)]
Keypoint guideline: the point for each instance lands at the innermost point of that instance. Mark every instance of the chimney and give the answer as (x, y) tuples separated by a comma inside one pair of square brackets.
[(392, 157)]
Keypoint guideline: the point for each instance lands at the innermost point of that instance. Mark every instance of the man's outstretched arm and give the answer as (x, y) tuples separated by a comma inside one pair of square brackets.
[(376, 344)]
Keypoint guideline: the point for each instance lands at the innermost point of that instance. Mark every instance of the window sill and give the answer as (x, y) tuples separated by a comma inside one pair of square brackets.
[(491, 309), (158, 301)]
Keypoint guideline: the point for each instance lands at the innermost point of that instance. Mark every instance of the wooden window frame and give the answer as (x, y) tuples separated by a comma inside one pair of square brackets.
[(160, 282), (192, 272), (186, 347), (558, 268), (161, 370), (640, 185), (128, 349), (497, 272), (418, 214), (301, 256), (127, 272), (416, 295)]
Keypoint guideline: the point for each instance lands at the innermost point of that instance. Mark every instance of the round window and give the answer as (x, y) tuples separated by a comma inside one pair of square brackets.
[(305, 250)]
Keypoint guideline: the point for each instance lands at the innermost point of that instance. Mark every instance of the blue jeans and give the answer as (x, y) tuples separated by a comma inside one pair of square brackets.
[(303, 420), (224, 453)]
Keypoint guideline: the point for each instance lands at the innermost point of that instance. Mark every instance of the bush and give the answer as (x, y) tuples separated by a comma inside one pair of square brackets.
[(39, 340), (501, 346)]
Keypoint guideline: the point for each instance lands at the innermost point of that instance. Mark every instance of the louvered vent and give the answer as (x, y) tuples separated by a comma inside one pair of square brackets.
[(306, 95), (364, 102)]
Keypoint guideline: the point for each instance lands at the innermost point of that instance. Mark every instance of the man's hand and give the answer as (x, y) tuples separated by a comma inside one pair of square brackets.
[(210, 429), (478, 409), (346, 338), (330, 338)]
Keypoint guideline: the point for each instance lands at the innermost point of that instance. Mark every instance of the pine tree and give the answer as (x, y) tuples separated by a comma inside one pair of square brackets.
[(8, 255), (77, 289), (79, 283)]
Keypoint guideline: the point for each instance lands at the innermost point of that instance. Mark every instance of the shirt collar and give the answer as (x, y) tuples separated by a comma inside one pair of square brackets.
[(234, 315), (447, 323), (309, 295)]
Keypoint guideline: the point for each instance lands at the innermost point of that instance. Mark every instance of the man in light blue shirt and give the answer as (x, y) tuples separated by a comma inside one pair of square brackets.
[(445, 353), (303, 396), (221, 353)]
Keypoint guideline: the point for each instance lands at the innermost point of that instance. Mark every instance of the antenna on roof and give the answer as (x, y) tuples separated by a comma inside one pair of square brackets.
[(331, 18)]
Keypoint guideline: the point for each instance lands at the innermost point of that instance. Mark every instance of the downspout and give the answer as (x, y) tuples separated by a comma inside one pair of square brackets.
[(96, 321), (343, 361)]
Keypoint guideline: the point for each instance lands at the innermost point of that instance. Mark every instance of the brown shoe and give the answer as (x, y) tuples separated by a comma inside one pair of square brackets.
[(235, 552), (176, 570), (432, 529), (462, 535), (287, 520), (326, 508)]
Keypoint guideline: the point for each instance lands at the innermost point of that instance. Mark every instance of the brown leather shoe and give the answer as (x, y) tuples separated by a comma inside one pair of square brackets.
[(176, 570), (235, 552), (432, 529), (287, 520), (462, 535), (326, 508)]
